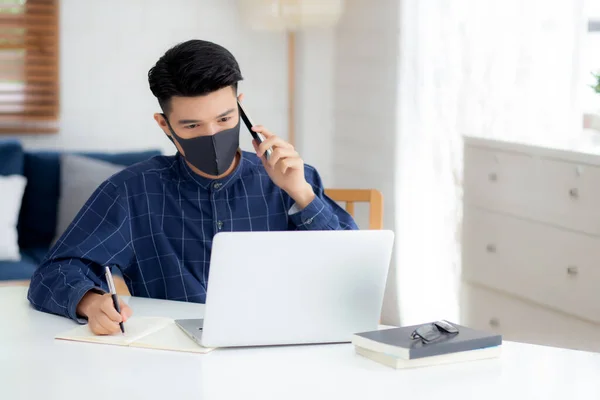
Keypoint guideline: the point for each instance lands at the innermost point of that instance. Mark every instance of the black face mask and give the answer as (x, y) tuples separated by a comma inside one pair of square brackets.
[(212, 154)]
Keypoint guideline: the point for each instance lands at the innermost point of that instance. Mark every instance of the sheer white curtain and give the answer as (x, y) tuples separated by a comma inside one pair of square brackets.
[(499, 69)]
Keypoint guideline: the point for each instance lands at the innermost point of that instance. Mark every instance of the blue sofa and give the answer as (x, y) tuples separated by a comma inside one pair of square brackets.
[(39, 208)]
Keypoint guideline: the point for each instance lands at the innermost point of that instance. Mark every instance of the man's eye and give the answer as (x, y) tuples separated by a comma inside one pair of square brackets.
[(224, 119), (192, 126)]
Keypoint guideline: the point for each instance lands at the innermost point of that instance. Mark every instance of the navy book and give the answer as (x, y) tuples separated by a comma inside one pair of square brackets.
[(398, 342)]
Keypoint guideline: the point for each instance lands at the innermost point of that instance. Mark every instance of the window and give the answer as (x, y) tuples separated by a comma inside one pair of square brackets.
[(591, 55), (29, 91)]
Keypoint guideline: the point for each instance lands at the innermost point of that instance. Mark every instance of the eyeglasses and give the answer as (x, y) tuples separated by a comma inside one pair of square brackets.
[(434, 331)]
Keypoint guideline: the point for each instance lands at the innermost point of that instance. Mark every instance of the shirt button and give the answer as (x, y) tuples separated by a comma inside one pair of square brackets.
[(220, 225), (217, 185)]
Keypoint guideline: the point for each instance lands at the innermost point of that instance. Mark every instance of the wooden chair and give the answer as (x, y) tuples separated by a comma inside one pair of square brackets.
[(15, 283), (351, 196)]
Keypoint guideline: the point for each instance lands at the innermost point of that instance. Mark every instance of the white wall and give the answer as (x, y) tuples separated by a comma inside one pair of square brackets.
[(107, 48), (314, 91), (365, 86)]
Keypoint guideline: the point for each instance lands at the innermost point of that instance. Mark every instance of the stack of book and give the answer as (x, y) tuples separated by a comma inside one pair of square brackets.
[(402, 348)]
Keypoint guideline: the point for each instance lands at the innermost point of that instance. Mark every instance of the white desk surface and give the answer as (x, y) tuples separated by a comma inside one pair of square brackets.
[(34, 365)]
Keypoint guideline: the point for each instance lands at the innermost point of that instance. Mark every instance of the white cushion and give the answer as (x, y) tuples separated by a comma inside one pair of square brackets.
[(12, 188)]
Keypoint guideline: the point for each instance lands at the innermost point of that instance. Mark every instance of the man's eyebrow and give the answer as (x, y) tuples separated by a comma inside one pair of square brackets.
[(225, 113), (188, 121), (197, 121)]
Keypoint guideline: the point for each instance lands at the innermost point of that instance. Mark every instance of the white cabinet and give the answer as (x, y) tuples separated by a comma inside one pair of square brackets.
[(531, 243)]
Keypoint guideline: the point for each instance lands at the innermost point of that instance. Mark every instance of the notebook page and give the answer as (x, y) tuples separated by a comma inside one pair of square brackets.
[(135, 328), (171, 337)]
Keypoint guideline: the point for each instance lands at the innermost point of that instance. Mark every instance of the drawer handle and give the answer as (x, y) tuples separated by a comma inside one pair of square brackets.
[(494, 322), (490, 248), (574, 193), (572, 270), (493, 177)]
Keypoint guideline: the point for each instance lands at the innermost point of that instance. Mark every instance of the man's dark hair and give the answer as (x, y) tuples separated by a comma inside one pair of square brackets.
[(192, 68)]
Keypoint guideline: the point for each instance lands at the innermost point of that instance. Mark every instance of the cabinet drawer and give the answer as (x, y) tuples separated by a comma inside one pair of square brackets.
[(569, 195), (500, 181), (547, 265), (523, 322)]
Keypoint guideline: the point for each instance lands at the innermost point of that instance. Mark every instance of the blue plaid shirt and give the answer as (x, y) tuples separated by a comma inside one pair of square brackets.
[(155, 221)]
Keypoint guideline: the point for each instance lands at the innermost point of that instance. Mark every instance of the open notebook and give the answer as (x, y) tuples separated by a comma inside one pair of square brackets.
[(148, 332)]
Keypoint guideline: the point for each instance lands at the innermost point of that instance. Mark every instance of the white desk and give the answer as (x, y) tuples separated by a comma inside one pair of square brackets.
[(34, 365)]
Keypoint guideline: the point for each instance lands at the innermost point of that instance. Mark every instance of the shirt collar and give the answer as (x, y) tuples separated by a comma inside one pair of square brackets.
[(208, 183)]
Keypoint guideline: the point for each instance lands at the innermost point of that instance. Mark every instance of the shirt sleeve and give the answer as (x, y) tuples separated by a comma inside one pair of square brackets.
[(322, 213), (98, 236)]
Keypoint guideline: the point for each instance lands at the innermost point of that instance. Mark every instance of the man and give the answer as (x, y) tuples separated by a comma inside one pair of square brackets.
[(155, 220)]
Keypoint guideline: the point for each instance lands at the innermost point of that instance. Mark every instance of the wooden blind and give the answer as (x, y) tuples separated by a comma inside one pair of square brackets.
[(29, 87)]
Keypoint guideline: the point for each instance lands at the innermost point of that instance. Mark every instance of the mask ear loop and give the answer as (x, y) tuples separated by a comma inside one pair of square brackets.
[(171, 138), (169, 125)]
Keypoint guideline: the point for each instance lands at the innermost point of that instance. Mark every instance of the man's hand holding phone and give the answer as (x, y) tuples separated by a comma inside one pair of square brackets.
[(284, 166), (280, 159)]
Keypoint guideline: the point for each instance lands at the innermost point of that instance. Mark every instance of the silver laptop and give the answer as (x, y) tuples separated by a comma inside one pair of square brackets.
[(292, 287)]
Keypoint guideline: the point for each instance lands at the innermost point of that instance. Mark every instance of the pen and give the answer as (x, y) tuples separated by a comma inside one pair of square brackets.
[(113, 293)]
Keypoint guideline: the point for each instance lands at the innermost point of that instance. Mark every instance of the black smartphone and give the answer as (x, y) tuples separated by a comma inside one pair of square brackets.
[(257, 136)]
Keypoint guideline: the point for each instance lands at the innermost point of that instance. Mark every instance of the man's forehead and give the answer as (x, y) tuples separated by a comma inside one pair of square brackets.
[(201, 108)]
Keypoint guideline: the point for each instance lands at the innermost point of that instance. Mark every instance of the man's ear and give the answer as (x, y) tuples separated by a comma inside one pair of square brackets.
[(160, 120), (162, 123), (240, 97)]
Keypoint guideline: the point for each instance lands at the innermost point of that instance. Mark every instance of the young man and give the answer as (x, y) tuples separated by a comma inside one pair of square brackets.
[(155, 220)]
